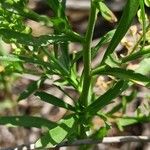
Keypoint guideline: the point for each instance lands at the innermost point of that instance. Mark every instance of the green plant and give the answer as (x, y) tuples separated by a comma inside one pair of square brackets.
[(30, 49)]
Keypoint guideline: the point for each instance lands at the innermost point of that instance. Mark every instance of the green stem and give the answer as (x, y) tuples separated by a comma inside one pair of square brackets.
[(84, 98), (87, 56)]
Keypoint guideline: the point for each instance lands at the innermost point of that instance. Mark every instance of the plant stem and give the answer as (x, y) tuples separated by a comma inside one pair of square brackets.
[(87, 56), (84, 98)]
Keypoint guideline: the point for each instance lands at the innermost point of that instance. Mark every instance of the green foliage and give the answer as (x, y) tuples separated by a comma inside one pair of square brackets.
[(31, 89), (106, 98), (56, 135), (28, 49), (27, 121), (54, 100)]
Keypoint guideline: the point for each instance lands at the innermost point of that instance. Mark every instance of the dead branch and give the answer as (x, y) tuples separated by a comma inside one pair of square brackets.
[(105, 140)]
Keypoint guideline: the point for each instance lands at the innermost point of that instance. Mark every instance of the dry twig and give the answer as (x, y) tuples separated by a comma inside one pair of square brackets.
[(105, 140)]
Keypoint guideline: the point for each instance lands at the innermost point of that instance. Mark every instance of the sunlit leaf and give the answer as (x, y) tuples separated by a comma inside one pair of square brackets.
[(10, 58), (122, 122), (126, 121), (147, 3), (57, 134), (25, 12), (144, 67)]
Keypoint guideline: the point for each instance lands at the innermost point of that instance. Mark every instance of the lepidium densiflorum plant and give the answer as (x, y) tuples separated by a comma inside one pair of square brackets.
[(26, 48)]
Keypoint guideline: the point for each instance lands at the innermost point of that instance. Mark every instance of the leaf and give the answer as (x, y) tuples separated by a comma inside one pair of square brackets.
[(123, 74), (106, 12), (124, 24), (27, 121), (31, 89), (54, 100), (125, 122), (57, 134), (144, 67), (106, 98), (147, 3), (102, 41), (27, 39), (101, 133), (54, 4), (120, 105), (25, 12), (10, 58), (34, 61)]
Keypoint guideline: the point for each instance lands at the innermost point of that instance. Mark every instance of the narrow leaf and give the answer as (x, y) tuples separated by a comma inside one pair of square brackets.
[(120, 105), (122, 122), (126, 121), (57, 134), (103, 40), (27, 39), (54, 4), (31, 89), (129, 13), (123, 74), (27, 121), (54, 100), (106, 98), (10, 58)]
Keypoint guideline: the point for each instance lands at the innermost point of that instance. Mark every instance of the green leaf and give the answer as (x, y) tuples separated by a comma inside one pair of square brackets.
[(123, 74), (54, 4), (10, 58), (101, 133), (31, 89), (106, 12), (106, 98), (27, 121), (126, 121), (27, 39), (144, 67), (34, 61), (129, 13), (57, 134), (120, 105), (25, 12), (54, 100), (147, 3), (121, 122), (102, 41)]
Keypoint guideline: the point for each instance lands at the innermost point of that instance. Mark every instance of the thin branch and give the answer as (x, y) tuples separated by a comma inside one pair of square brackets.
[(105, 140), (108, 140)]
